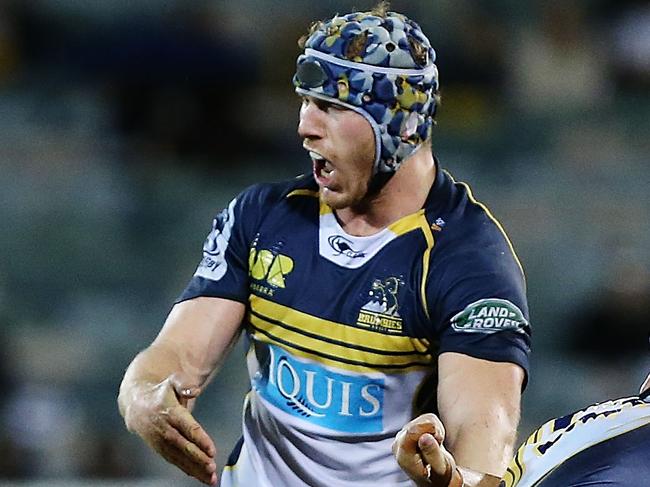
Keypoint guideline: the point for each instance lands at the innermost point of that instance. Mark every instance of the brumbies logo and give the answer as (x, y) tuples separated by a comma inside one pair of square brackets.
[(381, 312), (342, 245), (489, 316)]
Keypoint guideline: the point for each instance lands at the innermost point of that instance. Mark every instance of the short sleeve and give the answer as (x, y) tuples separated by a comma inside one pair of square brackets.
[(223, 269), (481, 308)]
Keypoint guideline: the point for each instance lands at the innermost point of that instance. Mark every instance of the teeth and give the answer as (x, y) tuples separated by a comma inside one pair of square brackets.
[(326, 166)]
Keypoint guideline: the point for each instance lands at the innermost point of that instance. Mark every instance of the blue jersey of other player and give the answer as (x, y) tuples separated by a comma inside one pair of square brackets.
[(605, 444)]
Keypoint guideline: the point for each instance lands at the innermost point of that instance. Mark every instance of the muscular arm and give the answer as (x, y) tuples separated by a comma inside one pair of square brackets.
[(160, 385), (193, 343), (479, 405)]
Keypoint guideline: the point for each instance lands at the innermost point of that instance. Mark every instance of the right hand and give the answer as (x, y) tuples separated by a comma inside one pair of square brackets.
[(158, 413), (419, 451)]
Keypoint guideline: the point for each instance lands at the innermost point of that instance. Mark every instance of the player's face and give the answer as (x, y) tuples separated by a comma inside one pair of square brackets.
[(341, 144)]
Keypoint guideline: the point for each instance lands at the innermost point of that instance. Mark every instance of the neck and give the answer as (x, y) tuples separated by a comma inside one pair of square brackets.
[(403, 194)]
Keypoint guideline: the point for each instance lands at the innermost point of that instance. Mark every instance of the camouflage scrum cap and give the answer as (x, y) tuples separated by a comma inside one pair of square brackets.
[(381, 67)]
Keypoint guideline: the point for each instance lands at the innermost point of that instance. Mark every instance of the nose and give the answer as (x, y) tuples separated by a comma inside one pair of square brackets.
[(312, 124)]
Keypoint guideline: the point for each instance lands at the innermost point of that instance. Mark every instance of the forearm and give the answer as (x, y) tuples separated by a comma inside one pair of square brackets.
[(197, 337), (488, 466), (484, 445), (481, 452), (479, 404)]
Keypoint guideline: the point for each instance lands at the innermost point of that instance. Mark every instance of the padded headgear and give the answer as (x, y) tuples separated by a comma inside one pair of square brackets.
[(381, 67)]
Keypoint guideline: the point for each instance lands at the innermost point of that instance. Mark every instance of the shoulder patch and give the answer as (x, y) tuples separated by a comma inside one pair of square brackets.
[(490, 316), (214, 264)]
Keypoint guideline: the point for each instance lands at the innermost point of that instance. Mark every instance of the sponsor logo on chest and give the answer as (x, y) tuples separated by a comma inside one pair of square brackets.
[(269, 270), (337, 401)]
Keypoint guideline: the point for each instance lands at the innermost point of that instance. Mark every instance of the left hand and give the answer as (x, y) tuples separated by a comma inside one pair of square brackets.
[(419, 452)]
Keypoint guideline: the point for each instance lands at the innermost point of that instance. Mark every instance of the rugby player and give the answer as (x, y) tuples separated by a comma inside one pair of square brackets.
[(374, 290)]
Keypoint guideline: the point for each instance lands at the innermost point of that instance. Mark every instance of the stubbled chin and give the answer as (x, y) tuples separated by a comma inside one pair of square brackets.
[(337, 200), (331, 198)]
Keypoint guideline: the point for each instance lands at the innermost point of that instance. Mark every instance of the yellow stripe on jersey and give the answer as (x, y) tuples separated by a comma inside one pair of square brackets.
[(517, 466), (411, 222), (404, 225), (509, 478), (337, 331), (339, 362), (304, 192), (428, 235), (470, 195), (407, 223), (324, 209), (335, 343), (336, 351)]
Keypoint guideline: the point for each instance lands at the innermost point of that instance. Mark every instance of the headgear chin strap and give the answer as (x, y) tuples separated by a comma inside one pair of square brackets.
[(380, 67)]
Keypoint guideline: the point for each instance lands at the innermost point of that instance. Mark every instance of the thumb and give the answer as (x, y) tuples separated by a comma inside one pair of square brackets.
[(435, 455)]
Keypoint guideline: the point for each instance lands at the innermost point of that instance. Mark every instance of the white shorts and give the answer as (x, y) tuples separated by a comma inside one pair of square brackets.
[(242, 473)]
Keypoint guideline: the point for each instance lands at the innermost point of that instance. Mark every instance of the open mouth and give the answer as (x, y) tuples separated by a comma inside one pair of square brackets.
[(323, 169)]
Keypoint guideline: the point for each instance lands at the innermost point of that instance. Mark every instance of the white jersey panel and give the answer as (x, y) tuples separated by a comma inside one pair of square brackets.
[(347, 250), (283, 455), (562, 438)]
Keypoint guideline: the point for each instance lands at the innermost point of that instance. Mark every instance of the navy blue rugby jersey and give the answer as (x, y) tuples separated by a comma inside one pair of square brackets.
[(345, 331)]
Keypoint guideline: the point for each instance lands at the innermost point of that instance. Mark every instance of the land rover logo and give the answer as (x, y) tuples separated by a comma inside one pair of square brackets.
[(490, 316)]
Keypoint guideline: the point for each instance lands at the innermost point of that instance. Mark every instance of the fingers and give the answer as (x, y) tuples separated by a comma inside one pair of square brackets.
[(185, 454), (183, 442), (186, 425), (173, 438), (427, 423), (160, 417), (183, 459), (162, 420), (418, 449), (435, 456), (408, 436)]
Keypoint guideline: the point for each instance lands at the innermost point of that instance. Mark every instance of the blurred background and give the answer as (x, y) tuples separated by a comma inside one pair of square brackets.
[(125, 125)]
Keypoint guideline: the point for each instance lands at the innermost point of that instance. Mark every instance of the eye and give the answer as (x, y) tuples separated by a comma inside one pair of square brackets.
[(323, 105)]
